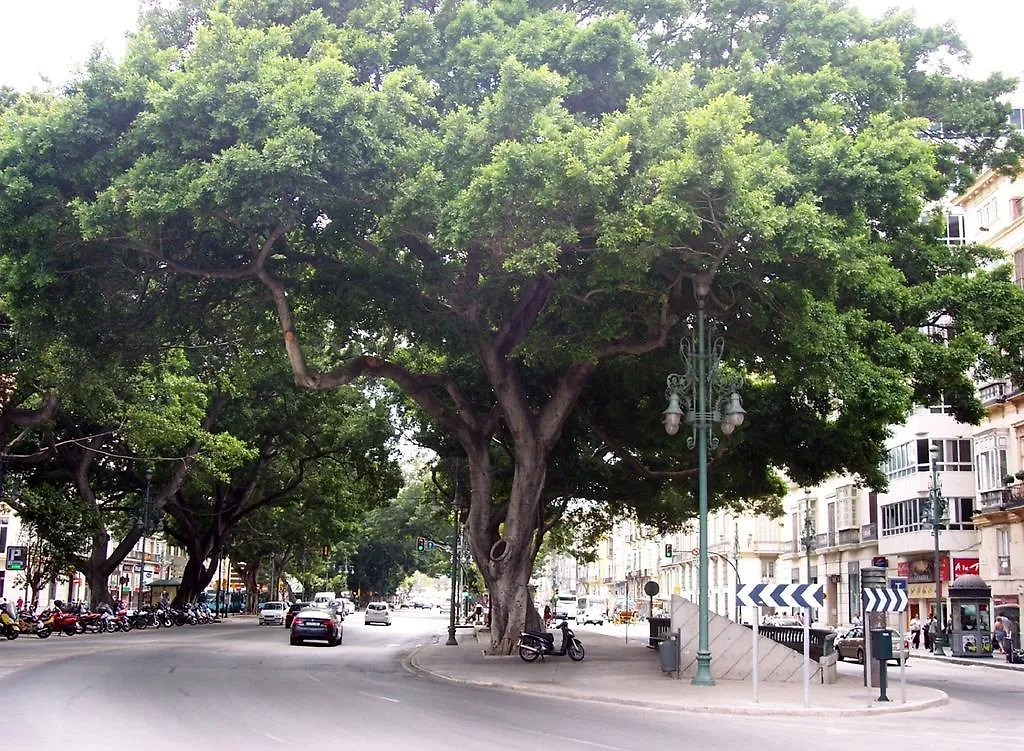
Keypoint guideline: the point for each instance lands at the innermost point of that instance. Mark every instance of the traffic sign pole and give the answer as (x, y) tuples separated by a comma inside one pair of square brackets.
[(807, 657), (757, 639), (903, 660)]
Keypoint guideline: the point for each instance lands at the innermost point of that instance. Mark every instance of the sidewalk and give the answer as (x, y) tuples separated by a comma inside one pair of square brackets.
[(629, 673), (996, 661)]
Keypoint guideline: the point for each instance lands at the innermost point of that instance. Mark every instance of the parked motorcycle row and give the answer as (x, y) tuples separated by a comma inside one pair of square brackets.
[(69, 620)]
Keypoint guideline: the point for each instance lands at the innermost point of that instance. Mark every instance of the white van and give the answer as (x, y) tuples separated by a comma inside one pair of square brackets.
[(324, 598), (591, 609), (564, 607)]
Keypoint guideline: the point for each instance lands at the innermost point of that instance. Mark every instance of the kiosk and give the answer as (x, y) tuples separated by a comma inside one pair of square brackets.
[(970, 602)]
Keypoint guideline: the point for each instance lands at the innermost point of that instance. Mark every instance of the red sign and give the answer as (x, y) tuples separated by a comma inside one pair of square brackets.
[(922, 570), (903, 569), (965, 567)]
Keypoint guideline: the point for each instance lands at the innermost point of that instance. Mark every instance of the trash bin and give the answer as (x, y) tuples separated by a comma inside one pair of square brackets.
[(668, 651), (881, 644)]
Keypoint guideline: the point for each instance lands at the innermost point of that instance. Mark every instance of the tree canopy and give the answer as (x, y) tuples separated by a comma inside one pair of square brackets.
[(502, 209)]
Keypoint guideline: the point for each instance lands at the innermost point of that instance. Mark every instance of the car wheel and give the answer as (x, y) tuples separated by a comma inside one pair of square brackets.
[(860, 656), (839, 655)]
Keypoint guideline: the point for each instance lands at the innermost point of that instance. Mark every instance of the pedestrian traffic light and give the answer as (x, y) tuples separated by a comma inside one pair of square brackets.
[(421, 544), (668, 549)]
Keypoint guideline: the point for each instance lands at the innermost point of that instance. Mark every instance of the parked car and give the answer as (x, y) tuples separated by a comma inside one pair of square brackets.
[(850, 645), (272, 613), (316, 624), (378, 612), (294, 608)]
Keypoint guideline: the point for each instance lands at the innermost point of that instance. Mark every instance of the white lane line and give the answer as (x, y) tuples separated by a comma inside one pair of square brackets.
[(313, 678), (273, 737), (570, 739), (382, 698)]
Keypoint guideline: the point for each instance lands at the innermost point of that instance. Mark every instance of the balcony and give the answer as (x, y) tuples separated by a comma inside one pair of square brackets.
[(789, 547), (1003, 498), (869, 532), (997, 392), (825, 540), (1004, 565), (848, 537)]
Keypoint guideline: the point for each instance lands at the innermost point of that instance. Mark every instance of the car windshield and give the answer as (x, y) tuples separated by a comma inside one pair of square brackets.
[(274, 606), (376, 606)]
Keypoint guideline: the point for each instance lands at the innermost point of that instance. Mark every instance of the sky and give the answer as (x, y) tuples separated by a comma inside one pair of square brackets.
[(46, 40)]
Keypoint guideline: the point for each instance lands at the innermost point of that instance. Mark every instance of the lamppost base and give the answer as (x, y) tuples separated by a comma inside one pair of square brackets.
[(939, 647), (703, 676), (452, 641)]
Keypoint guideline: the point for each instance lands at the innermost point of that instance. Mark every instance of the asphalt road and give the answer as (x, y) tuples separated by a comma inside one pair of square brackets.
[(234, 686)]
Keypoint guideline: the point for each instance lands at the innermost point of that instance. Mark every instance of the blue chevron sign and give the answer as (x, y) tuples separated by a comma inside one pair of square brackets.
[(781, 595), (884, 600)]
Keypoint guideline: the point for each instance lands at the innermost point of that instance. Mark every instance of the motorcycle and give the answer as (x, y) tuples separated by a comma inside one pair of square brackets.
[(32, 624), (60, 621), (534, 644), (8, 626)]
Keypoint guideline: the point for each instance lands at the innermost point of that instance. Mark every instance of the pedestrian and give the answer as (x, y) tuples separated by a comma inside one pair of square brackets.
[(929, 631), (20, 604), (165, 599), (915, 632), (998, 636), (547, 615), (479, 612)]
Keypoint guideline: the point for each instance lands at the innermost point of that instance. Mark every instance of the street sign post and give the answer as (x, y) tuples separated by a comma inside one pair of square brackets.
[(891, 599), (17, 557), (805, 596)]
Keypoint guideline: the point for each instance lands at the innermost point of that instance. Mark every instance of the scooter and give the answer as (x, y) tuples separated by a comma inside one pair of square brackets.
[(8, 626), (534, 644)]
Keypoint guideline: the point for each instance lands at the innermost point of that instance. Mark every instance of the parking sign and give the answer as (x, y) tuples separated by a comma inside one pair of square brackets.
[(17, 556)]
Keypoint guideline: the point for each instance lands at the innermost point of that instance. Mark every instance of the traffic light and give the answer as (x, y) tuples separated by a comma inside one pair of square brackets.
[(421, 544), (668, 549)]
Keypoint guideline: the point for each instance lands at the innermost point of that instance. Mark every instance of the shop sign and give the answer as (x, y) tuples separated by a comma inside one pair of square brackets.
[(922, 570), (966, 567)]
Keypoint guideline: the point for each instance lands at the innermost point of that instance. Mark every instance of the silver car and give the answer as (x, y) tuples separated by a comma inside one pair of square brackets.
[(378, 612), (272, 613)]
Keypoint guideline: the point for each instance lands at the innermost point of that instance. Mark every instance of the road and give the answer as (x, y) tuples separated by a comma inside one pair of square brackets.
[(232, 686)]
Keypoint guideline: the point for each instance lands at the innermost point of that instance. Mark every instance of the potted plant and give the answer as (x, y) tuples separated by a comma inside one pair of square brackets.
[(1008, 480), (1019, 475)]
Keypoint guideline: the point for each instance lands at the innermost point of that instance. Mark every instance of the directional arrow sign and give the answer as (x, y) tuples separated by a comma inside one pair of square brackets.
[(884, 600), (781, 595)]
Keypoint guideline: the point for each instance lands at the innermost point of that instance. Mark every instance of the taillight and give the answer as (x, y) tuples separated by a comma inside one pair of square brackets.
[(298, 622)]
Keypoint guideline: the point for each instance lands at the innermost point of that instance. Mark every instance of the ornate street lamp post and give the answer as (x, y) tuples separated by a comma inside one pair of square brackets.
[(809, 535), (710, 401), (145, 520), (937, 515)]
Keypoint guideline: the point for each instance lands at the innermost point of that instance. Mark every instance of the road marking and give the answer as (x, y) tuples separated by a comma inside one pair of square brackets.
[(570, 739), (383, 698), (313, 678), (273, 737)]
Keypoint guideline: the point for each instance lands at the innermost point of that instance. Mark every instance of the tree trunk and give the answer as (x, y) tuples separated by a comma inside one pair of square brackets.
[(249, 575), (98, 570), (196, 576)]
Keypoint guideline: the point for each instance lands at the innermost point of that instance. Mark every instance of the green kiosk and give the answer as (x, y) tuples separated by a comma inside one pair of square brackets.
[(970, 601)]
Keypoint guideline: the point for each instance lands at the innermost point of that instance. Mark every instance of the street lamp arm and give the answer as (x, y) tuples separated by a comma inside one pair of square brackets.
[(641, 469), (729, 561)]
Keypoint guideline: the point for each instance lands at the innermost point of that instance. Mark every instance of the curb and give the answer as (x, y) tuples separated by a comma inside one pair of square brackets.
[(983, 663), (410, 664)]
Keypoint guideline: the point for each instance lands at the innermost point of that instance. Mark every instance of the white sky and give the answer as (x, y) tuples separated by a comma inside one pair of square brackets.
[(44, 40)]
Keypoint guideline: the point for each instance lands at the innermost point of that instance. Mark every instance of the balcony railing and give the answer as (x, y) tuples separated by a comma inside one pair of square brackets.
[(825, 540), (848, 537), (869, 532), (789, 547), (1003, 498), (1004, 565)]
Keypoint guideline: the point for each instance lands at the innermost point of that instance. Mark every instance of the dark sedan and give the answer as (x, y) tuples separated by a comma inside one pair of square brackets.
[(294, 608), (317, 624)]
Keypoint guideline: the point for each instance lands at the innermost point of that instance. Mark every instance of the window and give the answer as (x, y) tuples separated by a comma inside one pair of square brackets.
[(987, 215), (954, 455), (990, 458), (767, 569), (903, 516), (794, 575), (961, 513), (955, 234), (1018, 268), (1016, 208), (908, 458), (1003, 550), (1017, 118), (846, 507), (3, 540)]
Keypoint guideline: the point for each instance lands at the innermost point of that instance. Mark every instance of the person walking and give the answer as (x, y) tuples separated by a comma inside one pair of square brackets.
[(915, 632), (998, 636), (929, 631)]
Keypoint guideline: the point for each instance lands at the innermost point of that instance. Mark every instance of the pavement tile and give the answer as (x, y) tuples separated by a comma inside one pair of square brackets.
[(629, 673)]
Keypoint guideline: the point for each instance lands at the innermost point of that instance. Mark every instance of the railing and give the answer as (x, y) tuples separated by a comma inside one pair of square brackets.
[(848, 537), (659, 631), (869, 532), (789, 547), (822, 640), (1003, 498)]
